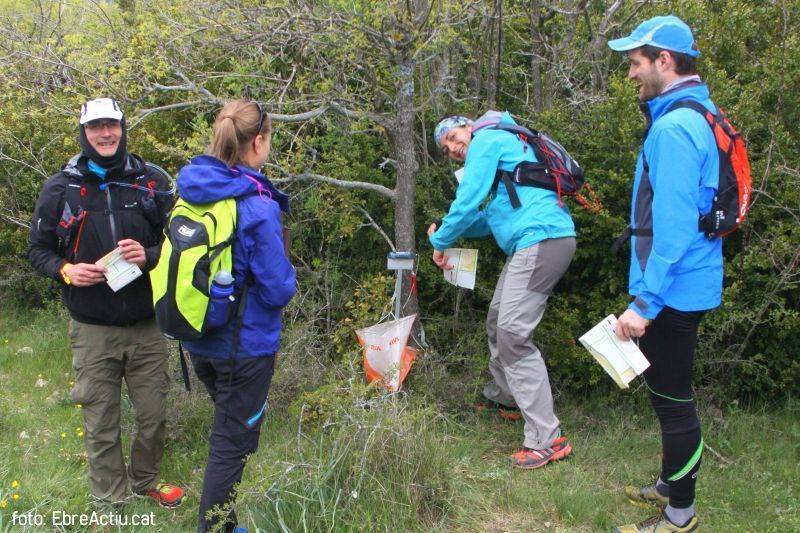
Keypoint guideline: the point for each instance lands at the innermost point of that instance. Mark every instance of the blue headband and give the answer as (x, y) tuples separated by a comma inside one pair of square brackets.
[(448, 124)]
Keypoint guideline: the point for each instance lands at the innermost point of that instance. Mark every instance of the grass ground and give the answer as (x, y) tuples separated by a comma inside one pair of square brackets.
[(390, 463)]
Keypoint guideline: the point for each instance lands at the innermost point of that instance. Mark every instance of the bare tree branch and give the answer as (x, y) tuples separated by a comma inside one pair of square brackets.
[(144, 113), (307, 176), (14, 221), (345, 184), (377, 227)]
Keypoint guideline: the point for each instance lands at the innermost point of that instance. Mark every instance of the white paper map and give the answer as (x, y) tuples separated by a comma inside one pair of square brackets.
[(118, 272), (622, 360), (465, 267)]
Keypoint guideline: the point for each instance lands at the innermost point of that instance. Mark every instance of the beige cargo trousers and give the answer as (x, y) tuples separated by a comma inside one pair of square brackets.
[(520, 298), (101, 357)]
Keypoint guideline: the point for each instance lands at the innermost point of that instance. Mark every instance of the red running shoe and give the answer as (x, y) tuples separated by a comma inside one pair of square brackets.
[(166, 495), (529, 458)]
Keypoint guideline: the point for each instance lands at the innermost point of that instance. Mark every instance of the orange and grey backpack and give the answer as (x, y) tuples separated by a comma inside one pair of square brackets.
[(734, 191), (735, 188)]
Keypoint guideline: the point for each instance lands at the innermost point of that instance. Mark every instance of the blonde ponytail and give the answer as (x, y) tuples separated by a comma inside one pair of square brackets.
[(235, 127)]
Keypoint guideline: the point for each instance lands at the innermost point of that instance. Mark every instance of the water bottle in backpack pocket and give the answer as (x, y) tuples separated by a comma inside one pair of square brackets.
[(222, 303)]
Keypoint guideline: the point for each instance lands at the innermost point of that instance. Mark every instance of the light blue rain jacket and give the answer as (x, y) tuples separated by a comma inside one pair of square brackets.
[(678, 266), (539, 217)]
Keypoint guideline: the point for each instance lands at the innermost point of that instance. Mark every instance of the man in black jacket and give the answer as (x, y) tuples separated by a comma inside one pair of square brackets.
[(106, 199)]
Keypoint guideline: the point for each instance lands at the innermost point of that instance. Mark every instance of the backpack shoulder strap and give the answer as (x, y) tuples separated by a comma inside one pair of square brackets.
[(516, 129), (224, 213), (694, 105), (74, 191), (687, 103), (71, 213)]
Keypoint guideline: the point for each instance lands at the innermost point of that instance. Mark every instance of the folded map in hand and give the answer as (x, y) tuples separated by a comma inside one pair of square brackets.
[(465, 267), (118, 272), (622, 360)]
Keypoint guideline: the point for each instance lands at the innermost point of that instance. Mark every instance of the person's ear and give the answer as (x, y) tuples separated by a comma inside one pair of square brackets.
[(664, 60), (261, 143)]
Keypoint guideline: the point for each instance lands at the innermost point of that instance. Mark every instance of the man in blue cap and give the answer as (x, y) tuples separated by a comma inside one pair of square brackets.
[(675, 270)]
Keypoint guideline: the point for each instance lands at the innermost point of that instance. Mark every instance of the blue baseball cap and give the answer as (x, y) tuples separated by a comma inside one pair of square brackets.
[(667, 32)]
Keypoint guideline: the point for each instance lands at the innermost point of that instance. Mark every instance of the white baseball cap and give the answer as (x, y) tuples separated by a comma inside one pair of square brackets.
[(100, 108)]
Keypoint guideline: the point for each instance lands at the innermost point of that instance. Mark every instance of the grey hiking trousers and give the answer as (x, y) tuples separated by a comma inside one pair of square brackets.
[(516, 364)]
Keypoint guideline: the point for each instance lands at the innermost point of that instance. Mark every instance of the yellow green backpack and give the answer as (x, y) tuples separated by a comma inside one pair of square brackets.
[(198, 244)]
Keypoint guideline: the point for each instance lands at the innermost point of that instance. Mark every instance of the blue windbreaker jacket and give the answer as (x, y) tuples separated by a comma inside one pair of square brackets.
[(539, 217), (678, 266), (257, 253)]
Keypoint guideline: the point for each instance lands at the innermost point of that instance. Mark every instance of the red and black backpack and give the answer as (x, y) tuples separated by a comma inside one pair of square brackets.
[(555, 169)]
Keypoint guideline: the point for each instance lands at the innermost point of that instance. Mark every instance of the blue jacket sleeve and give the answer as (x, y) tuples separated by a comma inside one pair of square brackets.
[(273, 274), (464, 217), (479, 227), (675, 173)]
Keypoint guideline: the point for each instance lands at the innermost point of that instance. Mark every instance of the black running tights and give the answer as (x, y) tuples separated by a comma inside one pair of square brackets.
[(669, 343)]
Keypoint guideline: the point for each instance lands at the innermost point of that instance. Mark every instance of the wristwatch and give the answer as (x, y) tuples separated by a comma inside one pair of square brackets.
[(64, 275)]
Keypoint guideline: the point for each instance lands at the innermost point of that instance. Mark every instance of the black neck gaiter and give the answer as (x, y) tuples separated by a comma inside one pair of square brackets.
[(114, 164)]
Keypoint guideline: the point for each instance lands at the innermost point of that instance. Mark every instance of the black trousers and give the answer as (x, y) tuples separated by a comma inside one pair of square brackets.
[(238, 388), (669, 343)]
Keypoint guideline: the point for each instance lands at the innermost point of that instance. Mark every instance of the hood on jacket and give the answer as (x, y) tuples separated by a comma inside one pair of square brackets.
[(77, 166), (206, 179), (492, 118)]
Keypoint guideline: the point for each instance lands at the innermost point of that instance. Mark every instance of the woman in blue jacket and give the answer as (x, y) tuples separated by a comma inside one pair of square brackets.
[(538, 237), (238, 381)]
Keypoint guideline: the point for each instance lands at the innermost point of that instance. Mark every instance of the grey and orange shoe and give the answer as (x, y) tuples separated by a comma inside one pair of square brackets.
[(530, 459), (646, 496), (659, 524)]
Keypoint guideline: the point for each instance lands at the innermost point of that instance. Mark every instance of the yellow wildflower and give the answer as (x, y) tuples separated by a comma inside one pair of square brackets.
[(14, 484), (3, 503), (15, 497), (78, 406), (80, 433), (63, 435)]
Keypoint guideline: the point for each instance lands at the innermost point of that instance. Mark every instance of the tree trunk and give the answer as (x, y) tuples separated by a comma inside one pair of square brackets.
[(403, 145), (537, 48), (494, 38)]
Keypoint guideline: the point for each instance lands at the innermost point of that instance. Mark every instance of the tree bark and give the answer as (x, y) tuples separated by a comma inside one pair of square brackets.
[(536, 58), (403, 146), (494, 39)]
